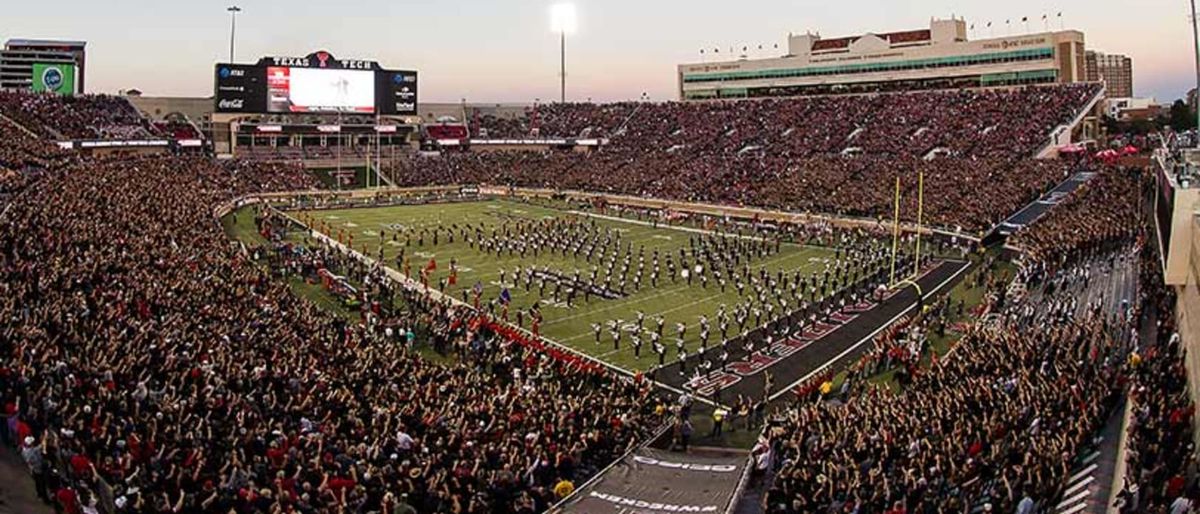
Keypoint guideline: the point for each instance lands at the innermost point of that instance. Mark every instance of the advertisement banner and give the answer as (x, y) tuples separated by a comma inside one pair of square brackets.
[(396, 92), (342, 86), (240, 88), (54, 78), (651, 481)]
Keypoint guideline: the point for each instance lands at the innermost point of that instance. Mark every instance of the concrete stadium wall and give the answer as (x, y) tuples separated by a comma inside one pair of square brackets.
[(1187, 313)]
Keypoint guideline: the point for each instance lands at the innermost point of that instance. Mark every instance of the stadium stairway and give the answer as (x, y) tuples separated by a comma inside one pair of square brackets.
[(14, 123), (1087, 490), (621, 127)]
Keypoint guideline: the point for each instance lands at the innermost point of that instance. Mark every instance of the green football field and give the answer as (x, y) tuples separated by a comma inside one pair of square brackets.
[(676, 301)]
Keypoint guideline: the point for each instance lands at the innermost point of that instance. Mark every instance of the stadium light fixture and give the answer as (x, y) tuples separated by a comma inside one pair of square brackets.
[(563, 20), (233, 11)]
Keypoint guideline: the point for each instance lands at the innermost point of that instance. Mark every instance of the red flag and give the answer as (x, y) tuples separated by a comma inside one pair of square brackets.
[(431, 266)]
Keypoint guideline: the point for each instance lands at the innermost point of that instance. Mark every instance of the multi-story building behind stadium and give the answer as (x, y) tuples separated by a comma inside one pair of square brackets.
[(19, 56), (940, 56), (1116, 71)]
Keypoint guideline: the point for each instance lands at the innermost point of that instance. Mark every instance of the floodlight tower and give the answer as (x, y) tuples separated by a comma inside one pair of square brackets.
[(233, 11), (563, 21)]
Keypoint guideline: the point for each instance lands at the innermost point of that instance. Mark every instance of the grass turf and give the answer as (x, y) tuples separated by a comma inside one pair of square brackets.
[(677, 302)]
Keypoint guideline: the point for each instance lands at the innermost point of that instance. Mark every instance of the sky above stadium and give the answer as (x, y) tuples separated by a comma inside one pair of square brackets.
[(504, 50)]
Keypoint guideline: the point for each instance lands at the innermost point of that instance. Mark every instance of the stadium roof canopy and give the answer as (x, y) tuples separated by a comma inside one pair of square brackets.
[(43, 42)]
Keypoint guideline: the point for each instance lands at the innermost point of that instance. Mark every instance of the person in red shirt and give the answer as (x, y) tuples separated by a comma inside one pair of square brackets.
[(68, 501), (81, 465)]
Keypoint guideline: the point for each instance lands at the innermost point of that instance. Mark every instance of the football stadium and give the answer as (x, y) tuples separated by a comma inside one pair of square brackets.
[(926, 270)]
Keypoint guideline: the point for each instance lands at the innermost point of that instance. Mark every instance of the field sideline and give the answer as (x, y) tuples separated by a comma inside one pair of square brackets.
[(572, 326)]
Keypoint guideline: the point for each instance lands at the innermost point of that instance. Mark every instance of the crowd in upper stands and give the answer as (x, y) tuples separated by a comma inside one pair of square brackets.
[(970, 123), (837, 154), (21, 150), (556, 120), (1102, 213), (59, 117), (964, 193)]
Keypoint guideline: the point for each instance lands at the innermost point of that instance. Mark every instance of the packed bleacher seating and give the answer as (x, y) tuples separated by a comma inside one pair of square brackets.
[(158, 368), (969, 123), (1102, 213), (837, 154), (992, 427), (965, 193), (19, 150), (61, 117), (559, 120), (1161, 427)]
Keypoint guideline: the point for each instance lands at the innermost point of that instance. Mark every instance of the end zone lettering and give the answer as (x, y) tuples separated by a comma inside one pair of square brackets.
[(642, 504), (719, 468)]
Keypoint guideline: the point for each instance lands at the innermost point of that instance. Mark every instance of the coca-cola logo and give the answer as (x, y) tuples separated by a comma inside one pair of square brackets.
[(231, 103)]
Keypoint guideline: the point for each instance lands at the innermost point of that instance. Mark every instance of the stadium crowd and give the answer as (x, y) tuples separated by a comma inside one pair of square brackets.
[(967, 194), (20, 151), (989, 426), (1161, 449), (151, 366), (995, 426), (968, 122), (837, 154), (55, 117), (1102, 214)]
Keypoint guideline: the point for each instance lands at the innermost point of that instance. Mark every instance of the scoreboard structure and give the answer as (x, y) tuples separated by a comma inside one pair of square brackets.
[(318, 83)]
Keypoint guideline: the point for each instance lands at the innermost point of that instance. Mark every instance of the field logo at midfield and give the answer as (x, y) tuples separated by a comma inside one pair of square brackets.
[(395, 227)]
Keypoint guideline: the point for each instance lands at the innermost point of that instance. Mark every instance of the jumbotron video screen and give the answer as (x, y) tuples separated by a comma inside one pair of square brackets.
[(317, 83)]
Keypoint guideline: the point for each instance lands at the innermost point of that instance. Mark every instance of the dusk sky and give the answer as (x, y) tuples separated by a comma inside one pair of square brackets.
[(504, 51)]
